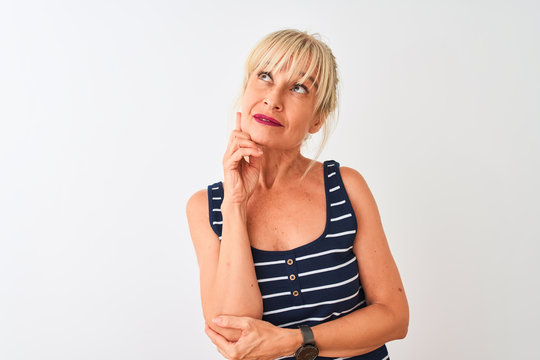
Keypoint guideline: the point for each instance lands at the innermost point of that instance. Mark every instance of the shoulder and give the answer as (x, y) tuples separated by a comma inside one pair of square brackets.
[(359, 192), (205, 241), (197, 203), (199, 218), (353, 180)]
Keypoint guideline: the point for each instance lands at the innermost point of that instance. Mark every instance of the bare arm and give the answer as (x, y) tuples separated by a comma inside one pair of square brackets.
[(386, 316), (227, 274)]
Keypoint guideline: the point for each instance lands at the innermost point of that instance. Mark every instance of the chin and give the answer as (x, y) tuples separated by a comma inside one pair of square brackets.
[(260, 137), (262, 140)]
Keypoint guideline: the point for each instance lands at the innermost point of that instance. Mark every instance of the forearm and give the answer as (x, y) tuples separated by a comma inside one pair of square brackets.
[(235, 290), (359, 332)]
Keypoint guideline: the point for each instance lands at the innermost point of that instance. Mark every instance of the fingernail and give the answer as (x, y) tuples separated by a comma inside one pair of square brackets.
[(260, 150), (216, 320)]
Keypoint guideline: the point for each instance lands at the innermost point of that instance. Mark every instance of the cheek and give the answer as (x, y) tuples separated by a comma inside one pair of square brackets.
[(305, 115), (248, 100), (246, 110)]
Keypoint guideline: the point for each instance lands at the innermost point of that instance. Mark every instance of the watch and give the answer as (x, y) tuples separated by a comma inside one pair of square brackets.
[(308, 350)]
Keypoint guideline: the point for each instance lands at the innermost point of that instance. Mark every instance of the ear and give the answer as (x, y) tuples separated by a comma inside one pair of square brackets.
[(316, 125)]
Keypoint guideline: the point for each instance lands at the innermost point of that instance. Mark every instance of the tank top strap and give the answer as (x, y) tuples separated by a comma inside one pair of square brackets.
[(340, 213), (215, 198)]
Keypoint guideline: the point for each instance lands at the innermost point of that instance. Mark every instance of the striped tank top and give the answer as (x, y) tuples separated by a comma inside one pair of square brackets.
[(315, 282)]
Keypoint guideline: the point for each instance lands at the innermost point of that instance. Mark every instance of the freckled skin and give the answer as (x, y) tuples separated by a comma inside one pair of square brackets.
[(276, 223)]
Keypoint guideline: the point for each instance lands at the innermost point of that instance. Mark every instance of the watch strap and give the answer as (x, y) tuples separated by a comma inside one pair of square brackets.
[(307, 335)]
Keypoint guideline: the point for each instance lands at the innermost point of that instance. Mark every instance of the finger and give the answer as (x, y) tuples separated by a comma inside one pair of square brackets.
[(233, 322), (239, 134), (238, 121), (224, 346), (232, 159), (216, 337), (255, 162), (236, 135), (240, 153), (246, 143), (241, 143), (222, 353), (210, 333)]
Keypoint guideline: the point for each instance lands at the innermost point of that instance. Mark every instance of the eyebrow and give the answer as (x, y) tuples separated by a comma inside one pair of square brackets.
[(311, 79)]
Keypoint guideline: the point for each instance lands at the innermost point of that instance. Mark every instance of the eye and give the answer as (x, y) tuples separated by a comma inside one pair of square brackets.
[(302, 87), (264, 73)]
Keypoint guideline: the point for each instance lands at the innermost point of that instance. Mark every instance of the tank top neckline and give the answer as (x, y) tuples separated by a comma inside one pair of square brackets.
[(255, 250)]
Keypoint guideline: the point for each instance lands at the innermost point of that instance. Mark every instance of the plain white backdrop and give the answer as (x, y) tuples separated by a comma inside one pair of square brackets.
[(112, 113)]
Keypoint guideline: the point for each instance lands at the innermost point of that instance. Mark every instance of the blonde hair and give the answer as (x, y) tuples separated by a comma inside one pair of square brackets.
[(295, 51)]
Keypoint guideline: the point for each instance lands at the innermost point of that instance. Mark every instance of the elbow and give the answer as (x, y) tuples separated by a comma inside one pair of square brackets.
[(403, 327), (230, 334), (401, 316), (398, 320), (402, 323)]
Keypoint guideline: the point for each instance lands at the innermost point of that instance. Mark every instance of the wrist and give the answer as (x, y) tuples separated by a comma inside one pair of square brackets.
[(234, 209), (292, 340), (308, 350)]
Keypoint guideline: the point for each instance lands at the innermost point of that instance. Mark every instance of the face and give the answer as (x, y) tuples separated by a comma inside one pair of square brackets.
[(278, 113)]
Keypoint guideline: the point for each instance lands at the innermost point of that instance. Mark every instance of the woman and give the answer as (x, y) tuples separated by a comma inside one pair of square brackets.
[(292, 255)]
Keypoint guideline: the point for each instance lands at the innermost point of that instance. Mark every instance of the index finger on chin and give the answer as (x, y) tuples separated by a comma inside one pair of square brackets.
[(238, 120)]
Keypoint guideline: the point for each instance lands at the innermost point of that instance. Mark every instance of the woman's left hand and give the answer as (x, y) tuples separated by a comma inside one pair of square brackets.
[(259, 339)]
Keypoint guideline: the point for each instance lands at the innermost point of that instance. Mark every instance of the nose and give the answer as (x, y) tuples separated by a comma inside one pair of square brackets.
[(273, 101)]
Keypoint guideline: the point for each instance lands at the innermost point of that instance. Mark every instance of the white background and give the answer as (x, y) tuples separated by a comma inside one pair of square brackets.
[(112, 113)]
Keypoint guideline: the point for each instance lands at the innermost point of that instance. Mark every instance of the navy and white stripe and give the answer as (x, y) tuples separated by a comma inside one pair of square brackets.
[(315, 282)]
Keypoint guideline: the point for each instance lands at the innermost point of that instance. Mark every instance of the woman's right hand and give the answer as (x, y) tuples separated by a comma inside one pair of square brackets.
[(240, 176)]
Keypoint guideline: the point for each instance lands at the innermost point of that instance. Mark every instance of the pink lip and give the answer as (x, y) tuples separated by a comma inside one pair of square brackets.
[(270, 121)]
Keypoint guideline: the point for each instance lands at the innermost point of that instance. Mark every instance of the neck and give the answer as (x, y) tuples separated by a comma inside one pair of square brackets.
[(281, 168)]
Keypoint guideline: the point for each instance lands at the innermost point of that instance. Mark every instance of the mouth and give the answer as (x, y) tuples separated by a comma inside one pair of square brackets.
[(266, 120)]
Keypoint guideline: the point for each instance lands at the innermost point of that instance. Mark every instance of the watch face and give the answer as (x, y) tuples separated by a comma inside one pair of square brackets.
[(307, 352)]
